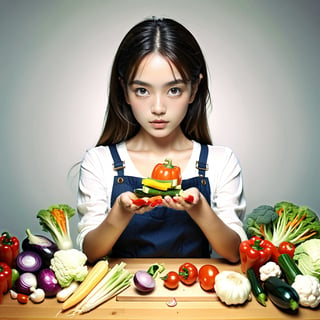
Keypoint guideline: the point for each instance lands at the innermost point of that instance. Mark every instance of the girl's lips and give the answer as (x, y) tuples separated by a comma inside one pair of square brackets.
[(158, 124)]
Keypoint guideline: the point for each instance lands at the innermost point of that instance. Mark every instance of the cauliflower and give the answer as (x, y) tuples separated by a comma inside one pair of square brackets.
[(270, 269), (69, 265), (308, 289)]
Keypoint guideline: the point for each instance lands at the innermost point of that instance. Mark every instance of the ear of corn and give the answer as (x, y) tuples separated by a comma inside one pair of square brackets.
[(98, 271), (117, 280)]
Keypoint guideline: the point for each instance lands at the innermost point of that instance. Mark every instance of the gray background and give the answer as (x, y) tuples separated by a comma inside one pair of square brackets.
[(55, 59)]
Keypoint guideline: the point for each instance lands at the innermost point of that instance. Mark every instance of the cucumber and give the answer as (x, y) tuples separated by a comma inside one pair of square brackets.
[(281, 294), (289, 267), (256, 287)]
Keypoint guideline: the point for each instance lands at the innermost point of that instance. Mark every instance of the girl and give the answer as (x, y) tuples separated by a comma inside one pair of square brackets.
[(156, 110)]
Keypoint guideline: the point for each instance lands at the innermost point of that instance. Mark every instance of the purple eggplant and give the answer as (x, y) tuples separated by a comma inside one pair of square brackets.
[(41, 245)]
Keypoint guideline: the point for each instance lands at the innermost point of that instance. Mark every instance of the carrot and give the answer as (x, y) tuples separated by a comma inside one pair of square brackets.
[(60, 217), (280, 211), (293, 222), (308, 235), (98, 271), (262, 229), (154, 201), (298, 222)]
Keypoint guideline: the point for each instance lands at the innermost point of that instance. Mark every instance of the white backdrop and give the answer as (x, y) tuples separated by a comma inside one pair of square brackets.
[(55, 58)]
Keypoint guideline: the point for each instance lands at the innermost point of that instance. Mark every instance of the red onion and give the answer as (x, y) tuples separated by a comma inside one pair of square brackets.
[(25, 282), (29, 261), (48, 282), (144, 281)]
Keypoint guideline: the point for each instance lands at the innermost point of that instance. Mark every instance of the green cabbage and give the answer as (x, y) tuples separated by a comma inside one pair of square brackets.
[(307, 256)]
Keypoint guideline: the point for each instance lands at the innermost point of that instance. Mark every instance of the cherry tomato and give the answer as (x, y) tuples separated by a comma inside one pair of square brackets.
[(287, 247), (22, 298), (207, 277), (188, 273), (171, 280)]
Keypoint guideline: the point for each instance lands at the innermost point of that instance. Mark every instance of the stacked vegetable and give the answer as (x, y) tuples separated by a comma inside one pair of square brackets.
[(165, 180), (282, 256)]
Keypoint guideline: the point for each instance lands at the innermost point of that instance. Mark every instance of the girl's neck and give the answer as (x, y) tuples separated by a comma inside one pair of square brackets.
[(144, 142)]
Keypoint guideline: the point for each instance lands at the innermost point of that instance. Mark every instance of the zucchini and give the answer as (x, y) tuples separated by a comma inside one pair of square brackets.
[(140, 194), (256, 287), (281, 294), (289, 267), (149, 192)]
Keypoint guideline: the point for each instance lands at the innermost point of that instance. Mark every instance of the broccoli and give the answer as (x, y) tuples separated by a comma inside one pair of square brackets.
[(283, 222), (262, 215)]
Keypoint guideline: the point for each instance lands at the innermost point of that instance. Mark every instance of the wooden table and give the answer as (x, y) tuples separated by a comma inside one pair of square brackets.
[(127, 310)]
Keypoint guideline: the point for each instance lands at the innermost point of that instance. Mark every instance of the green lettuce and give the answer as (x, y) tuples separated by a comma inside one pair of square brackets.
[(307, 257)]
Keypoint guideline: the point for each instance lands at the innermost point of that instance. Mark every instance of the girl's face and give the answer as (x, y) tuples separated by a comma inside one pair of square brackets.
[(158, 96)]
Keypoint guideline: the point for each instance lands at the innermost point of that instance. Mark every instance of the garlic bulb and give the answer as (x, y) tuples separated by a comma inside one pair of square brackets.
[(232, 287)]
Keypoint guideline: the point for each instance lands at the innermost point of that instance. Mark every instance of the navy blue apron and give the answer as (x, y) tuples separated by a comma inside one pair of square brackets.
[(161, 232)]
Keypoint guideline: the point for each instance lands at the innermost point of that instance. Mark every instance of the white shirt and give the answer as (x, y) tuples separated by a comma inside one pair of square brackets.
[(96, 182)]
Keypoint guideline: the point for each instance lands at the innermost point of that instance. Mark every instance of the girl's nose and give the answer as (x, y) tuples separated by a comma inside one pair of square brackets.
[(158, 106)]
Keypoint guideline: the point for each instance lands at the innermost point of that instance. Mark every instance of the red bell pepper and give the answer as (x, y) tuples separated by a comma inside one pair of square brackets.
[(166, 171), (9, 249), (254, 253), (5, 279)]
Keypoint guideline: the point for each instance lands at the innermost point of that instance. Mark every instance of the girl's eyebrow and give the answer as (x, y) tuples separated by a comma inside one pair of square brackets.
[(168, 84)]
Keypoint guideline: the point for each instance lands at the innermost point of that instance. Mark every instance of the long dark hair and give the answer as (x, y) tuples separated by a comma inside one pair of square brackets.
[(174, 42)]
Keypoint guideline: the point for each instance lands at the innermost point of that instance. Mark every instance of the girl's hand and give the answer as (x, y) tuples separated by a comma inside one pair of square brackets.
[(190, 199), (127, 201)]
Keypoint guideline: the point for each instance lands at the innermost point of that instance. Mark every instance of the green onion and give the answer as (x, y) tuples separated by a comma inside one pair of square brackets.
[(115, 281)]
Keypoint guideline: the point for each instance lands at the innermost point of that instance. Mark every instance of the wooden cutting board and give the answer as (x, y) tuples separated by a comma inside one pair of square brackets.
[(161, 293)]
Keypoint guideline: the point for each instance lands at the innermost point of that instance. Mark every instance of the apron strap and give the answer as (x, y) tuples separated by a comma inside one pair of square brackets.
[(118, 164), (202, 165)]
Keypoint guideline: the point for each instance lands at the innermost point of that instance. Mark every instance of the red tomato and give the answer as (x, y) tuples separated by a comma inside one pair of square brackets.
[(207, 277), (188, 273), (287, 247), (171, 280)]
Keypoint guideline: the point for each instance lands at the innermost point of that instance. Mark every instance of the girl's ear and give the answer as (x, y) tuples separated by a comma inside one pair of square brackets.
[(194, 88), (124, 88)]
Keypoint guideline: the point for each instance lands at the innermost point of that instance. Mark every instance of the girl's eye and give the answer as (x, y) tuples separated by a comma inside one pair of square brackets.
[(175, 91), (142, 92)]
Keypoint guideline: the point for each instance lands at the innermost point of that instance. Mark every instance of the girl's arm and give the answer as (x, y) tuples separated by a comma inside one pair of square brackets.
[(219, 220), (223, 239), (99, 241)]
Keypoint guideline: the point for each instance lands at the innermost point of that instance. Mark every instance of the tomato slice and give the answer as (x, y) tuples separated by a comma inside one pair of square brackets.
[(207, 276), (139, 202), (189, 198)]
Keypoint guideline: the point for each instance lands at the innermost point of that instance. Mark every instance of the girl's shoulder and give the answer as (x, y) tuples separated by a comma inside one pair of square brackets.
[(222, 155), (215, 150)]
